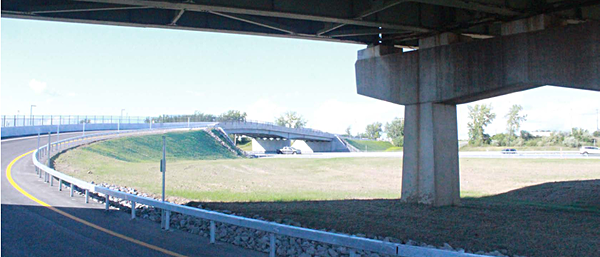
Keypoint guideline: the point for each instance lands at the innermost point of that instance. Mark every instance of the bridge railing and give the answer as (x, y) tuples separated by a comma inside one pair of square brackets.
[(274, 126), (352, 242), (43, 120)]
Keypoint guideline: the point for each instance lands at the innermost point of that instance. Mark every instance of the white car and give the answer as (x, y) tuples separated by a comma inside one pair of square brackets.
[(288, 150), (585, 150)]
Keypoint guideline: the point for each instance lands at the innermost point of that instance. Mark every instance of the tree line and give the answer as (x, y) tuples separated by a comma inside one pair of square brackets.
[(481, 115), (231, 115), (288, 119), (374, 131)]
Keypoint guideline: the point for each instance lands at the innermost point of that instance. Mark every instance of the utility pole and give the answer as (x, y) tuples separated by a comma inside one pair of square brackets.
[(120, 118), (163, 166)]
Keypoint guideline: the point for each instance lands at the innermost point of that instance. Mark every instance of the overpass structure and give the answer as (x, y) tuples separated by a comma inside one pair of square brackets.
[(268, 137), (465, 51)]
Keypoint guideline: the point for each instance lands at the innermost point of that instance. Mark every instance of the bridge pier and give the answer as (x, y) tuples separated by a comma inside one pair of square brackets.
[(450, 69), (430, 166), (268, 145)]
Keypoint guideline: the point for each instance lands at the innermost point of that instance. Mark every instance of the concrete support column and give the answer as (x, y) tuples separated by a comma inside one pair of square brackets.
[(430, 172)]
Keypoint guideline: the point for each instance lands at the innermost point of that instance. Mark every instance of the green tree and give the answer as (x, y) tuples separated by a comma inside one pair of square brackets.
[(395, 131), (291, 120), (582, 135), (480, 116), (232, 115), (348, 131), (513, 123), (374, 130)]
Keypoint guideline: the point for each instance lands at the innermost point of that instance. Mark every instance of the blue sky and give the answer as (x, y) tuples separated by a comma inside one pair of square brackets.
[(78, 69)]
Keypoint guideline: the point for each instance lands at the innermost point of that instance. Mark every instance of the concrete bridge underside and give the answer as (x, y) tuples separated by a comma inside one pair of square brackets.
[(466, 51), (446, 71)]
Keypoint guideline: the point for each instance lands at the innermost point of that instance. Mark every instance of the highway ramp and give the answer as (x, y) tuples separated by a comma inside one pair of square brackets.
[(73, 228)]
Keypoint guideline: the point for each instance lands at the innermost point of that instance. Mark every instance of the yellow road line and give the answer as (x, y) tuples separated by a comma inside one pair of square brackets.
[(110, 232)]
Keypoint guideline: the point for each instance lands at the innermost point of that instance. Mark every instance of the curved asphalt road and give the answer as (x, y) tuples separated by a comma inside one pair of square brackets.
[(30, 229)]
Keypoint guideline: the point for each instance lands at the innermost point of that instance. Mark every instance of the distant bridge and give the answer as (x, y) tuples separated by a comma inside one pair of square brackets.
[(269, 137), (266, 137)]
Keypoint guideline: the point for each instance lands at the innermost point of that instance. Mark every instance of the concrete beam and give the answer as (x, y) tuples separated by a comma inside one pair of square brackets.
[(564, 56)]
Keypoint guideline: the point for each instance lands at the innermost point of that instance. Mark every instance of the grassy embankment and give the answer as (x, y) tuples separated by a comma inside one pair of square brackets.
[(373, 146), (201, 169)]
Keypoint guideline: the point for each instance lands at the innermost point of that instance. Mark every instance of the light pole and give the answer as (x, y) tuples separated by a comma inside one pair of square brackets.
[(120, 118), (31, 114), (163, 169)]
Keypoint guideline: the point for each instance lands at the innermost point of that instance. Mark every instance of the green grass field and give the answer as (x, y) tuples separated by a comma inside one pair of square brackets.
[(373, 146), (532, 207), (245, 147), (194, 145), (223, 177)]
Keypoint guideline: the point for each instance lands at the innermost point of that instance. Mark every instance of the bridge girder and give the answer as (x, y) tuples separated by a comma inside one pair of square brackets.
[(392, 22)]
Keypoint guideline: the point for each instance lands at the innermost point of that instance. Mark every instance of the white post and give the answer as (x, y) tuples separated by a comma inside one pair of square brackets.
[(58, 129), (272, 245), (167, 219), (212, 231), (37, 156), (132, 210)]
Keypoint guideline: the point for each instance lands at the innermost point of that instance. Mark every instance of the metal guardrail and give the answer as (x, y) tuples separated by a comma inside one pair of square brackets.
[(44, 120), (273, 228), (278, 127)]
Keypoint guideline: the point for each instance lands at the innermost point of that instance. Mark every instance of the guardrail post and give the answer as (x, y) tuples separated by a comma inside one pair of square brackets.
[(87, 196), (272, 245), (107, 203), (71, 189), (353, 253), (132, 210), (59, 184), (167, 219), (212, 231), (51, 181)]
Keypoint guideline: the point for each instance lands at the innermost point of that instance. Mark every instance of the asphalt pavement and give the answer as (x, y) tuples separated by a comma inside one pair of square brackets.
[(481, 154), (73, 228)]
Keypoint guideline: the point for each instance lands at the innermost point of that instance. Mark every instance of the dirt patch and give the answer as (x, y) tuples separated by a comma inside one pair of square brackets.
[(521, 222)]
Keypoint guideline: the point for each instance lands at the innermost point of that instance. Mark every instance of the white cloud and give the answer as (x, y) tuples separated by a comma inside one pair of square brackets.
[(40, 87), (37, 86)]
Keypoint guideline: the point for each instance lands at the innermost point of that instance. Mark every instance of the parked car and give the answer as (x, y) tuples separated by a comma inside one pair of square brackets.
[(586, 150), (288, 150), (509, 151)]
